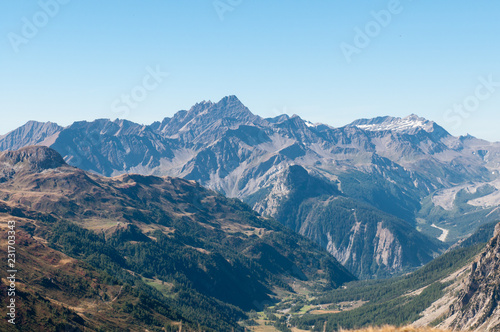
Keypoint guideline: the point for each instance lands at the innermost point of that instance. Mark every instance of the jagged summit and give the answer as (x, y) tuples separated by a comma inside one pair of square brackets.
[(229, 106), (228, 112)]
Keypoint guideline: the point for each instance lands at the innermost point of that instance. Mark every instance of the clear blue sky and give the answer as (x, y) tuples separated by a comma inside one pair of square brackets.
[(276, 56)]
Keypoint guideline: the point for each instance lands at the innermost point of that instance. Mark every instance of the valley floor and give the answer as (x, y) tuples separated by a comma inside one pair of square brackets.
[(398, 329)]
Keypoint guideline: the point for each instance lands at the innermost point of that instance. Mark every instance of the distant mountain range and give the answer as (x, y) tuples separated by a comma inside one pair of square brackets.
[(377, 193)]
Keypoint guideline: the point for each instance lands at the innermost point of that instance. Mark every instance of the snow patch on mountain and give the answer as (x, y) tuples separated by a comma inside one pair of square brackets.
[(395, 124), (310, 124)]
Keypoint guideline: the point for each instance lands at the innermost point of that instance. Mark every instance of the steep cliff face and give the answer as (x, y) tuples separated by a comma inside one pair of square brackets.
[(478, 306), (367, 241)]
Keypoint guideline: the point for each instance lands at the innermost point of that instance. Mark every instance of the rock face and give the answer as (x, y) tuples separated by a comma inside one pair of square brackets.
[(477, 306), (28, 160), (364, 239), (32, 133), (403, 167), (36, 158), (471, 300)]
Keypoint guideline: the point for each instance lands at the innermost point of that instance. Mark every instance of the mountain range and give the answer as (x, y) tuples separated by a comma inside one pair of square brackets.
[(382, 195), (136, 252)]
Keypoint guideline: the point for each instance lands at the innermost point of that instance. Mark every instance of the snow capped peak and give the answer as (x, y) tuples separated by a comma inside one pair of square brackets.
[(310, 124), (386, 123)]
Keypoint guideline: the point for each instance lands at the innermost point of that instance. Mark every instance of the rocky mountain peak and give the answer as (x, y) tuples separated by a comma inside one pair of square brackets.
[(35, 158), (32, 133), (230, 100), (229, 106), (232, 107), (228, 112)]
